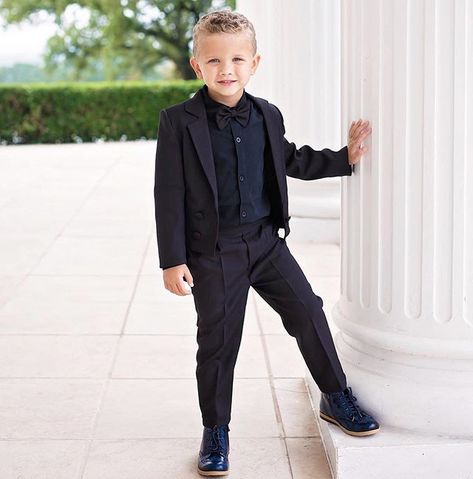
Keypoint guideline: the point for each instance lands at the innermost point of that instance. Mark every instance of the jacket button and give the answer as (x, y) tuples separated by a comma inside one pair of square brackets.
[(199, 214), (196, 235)]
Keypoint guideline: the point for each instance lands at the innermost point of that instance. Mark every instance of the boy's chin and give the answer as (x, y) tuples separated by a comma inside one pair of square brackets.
[(226, 90)]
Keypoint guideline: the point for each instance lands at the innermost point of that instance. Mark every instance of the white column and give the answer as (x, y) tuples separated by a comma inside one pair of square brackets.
[(406, 307), (299, 43)]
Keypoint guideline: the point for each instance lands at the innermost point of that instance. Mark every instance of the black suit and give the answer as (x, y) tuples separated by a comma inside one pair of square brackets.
[(225, 264), (186, 186)]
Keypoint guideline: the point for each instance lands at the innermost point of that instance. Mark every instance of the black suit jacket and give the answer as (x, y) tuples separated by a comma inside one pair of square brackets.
[(185, 188)]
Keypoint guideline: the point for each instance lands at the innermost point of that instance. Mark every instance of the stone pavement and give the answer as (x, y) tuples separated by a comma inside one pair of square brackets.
[(97, 359)]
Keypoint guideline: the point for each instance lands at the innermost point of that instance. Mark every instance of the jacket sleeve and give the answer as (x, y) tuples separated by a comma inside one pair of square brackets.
[(305, 163), (169, 196)]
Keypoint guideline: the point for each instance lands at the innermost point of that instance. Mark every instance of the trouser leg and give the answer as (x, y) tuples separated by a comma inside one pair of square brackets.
[(220, 295), (279, 280)]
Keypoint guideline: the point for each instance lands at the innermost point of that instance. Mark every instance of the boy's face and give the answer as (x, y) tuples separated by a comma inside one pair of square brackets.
[(225, 62)]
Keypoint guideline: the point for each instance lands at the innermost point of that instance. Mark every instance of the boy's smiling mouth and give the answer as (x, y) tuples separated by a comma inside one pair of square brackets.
[(226, 82)]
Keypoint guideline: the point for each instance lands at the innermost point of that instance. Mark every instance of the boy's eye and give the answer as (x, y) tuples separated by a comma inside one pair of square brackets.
[(216, 60)]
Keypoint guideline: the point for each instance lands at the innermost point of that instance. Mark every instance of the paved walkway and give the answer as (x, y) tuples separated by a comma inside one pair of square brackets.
[(97, 359)]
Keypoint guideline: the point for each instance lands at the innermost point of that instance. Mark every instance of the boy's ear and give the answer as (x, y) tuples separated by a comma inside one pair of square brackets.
[(256, 60), (195, 67)]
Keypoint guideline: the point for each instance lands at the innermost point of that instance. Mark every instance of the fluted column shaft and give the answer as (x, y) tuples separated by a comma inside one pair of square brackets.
[(406, 306)]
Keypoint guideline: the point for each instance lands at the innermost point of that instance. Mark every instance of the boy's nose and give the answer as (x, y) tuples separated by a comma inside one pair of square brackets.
[(226, 69)]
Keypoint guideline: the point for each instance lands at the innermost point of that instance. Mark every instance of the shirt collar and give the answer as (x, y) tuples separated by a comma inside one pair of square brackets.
[(213, 106)]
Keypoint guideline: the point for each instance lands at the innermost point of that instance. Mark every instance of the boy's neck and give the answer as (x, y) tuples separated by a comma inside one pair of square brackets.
[(227, 101)]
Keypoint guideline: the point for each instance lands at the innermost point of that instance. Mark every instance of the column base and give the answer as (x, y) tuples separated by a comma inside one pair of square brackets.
[(416, 384), (391, 453)]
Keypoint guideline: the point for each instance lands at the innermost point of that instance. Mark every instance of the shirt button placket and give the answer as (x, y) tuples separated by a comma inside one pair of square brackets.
[(242, 178)]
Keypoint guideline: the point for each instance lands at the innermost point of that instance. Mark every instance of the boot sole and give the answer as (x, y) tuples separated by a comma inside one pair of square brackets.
[(213, 473), (347, 431)]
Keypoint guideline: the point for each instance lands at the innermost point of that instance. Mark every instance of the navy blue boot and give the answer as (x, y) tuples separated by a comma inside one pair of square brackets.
[(340, 409), (214, 449)]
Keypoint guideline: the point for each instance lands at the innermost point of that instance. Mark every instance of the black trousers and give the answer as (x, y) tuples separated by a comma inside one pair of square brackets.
[(254, 256)]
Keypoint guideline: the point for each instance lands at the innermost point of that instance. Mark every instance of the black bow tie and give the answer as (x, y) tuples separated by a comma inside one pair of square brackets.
[(240, 113)]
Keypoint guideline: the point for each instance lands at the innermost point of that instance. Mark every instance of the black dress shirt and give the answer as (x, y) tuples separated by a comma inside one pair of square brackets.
[(241, 170)]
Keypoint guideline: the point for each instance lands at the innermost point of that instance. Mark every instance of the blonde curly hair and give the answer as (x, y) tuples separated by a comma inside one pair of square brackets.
[(222, 21)]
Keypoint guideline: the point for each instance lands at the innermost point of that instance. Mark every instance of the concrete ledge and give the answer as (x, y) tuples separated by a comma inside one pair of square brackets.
[(314, 199), (392, 453), (320, 230), (314, 207)]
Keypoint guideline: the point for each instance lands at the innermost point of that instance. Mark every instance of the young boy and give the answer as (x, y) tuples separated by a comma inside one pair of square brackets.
[(220, 198)]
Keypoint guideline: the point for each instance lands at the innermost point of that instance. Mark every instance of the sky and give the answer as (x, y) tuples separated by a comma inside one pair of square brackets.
[(26, 42)]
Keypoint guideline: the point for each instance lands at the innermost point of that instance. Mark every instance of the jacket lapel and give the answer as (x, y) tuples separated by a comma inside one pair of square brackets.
[(199, 132), (274, 135), (200, 135)]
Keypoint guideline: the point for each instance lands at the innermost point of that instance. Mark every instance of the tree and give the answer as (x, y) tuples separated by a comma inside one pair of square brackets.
[(127, 37)]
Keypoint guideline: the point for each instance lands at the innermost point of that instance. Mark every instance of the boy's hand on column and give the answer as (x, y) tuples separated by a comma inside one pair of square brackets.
[(359, 130), (174, 282)]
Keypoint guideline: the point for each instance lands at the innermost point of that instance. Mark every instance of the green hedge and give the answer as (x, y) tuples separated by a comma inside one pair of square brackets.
[(84, 112)]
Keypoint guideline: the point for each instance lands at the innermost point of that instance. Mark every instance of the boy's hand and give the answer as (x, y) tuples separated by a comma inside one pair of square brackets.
[(173, 279), (359, 130)]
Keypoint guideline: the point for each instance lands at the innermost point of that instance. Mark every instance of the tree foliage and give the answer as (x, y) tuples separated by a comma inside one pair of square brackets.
[(128, 38)]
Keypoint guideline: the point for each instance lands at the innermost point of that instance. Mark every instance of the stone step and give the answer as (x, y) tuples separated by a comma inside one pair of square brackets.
[(391, 453)]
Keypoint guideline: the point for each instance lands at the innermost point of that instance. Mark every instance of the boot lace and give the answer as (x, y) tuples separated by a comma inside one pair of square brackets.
[(347, 402), (217, 439)]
